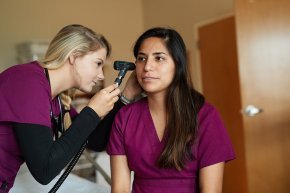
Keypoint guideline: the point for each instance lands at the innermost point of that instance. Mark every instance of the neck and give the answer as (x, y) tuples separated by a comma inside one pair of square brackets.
[(156, 103), (158, 112), (60, 80)]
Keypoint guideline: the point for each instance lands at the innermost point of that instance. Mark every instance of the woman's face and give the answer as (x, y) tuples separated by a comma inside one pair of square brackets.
[(89, 69), (155, 67)]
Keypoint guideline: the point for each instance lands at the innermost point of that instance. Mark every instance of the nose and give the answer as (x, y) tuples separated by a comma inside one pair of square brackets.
[(101, 75), (148, 65)]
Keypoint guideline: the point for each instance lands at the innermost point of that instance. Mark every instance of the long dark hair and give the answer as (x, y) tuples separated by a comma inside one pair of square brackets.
[(182, 102)]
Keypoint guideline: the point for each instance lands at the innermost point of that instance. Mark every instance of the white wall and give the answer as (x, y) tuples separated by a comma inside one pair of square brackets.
[(183, 15), (121, 21)]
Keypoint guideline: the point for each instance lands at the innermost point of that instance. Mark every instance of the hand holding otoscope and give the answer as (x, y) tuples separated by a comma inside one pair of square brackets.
[(99, 102)]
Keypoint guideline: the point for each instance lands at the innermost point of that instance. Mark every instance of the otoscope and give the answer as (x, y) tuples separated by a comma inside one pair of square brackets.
[(123, 67)]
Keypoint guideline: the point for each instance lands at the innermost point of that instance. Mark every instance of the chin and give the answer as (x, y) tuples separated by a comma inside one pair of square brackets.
[(86, 90), (149, 89)]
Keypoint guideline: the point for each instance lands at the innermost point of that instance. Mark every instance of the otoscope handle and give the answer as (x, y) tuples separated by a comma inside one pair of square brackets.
[(120, 76)]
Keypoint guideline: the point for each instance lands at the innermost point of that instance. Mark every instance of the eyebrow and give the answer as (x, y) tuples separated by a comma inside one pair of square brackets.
[(155, 53), (100, 60)]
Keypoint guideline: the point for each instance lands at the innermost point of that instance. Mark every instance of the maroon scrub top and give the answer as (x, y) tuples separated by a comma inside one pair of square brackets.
[(25, 97), (134, 135)]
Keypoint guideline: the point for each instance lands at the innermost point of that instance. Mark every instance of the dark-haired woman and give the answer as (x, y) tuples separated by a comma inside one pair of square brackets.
[(172, 139)]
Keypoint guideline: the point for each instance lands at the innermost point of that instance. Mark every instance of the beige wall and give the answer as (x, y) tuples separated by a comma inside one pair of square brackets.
[(121, 21), (183, 15)]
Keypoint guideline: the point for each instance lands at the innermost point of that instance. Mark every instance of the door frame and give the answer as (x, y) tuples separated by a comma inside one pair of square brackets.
[(196, 42)]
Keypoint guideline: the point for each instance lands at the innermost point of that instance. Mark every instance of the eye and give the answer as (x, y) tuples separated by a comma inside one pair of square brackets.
[(159, 58), (99, 63), (141, 59)]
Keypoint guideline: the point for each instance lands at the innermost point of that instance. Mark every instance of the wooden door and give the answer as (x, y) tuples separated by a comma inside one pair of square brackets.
[(263, 39), (220, 83)]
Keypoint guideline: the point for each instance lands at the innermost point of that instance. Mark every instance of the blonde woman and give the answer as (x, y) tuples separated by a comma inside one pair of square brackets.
[(34, 105)]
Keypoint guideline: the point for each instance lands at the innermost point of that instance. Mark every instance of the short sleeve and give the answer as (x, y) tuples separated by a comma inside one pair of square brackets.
[(214, 144), (25, 95), (116, 145), (73, 112)]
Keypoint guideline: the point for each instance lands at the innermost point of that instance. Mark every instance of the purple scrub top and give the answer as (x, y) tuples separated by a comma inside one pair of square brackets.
[(25, 97), (134, 135)]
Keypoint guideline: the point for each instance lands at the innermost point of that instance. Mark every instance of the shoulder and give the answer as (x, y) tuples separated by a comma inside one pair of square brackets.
[(25, 81), (206, 111), (22, 73), (20, 79), (131, 119), (27, 94), (31, 71), (210, 123), (209, 119), (132, 112), (214, 144), (33, 66), (135, 106)]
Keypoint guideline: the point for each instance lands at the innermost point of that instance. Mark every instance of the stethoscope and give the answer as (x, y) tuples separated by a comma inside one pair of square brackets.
[(57, 121), (123, 67)]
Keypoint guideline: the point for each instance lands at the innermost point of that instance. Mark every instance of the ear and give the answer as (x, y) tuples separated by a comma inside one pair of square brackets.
[(71, 58)]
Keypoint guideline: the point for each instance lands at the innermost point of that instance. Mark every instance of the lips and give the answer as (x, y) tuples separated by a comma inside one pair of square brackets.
[(149, 78)]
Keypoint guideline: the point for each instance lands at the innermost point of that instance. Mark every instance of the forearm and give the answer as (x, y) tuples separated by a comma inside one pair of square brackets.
[(100, 136), (120, 174), (45, 157), (211, 178), (119, 191)]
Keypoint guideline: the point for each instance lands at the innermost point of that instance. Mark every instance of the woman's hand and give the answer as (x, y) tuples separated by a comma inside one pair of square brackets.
[(103, 101), (132, 88)]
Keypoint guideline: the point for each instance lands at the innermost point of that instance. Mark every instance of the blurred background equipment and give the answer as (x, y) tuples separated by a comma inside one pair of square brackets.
[(31, 50)]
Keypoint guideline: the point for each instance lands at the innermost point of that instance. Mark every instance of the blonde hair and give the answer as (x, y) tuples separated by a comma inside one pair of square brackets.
[(75, 39)]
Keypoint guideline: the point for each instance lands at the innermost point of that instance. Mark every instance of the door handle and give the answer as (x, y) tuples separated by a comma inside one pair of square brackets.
[(252, 110)]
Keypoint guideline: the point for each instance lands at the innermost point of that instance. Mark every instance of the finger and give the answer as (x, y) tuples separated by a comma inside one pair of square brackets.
[(115, 99), (115, 92), (110, 88)]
